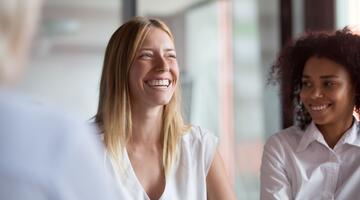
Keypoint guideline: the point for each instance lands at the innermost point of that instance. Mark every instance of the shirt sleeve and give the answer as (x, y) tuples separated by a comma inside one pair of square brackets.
[(209, 146), (274, 182)]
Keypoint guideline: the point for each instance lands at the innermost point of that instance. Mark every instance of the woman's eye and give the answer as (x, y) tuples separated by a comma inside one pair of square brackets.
[(305, 84), (145, 55), (171, 55), (329, 83)]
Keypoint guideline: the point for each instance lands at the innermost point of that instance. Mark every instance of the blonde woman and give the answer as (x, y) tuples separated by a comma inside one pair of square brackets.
[(153, 153)]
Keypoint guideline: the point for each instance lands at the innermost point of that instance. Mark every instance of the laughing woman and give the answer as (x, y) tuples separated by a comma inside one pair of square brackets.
[(154, 155), (319, 157)]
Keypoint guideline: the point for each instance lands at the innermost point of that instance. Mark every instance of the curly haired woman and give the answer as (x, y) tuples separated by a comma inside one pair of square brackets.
[(318, 157)]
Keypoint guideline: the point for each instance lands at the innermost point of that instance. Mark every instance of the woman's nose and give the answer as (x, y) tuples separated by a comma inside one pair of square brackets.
[(316, 93), (162, 64)]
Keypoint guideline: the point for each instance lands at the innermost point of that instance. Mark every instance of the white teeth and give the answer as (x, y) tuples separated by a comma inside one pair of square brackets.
[(318, 108), (163, 82)]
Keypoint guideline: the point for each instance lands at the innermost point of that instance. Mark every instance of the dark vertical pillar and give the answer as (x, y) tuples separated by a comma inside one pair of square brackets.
[(319, 15), (128, 9), (286, 35), (285, 21)]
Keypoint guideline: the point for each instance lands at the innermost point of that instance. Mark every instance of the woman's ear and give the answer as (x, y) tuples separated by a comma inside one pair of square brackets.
[(356, 115)]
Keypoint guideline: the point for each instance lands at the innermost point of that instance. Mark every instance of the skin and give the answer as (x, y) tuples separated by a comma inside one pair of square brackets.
[(217, 181), (356, 115), (328, 95), (13, 71), (156, 60)]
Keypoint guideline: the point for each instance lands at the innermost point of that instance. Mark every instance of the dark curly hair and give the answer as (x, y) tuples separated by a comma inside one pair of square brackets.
[(342, 47)]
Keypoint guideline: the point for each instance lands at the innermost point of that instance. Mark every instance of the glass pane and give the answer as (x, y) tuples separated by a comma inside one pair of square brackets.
[(347, 13), (67, 56), (257, 110), (225, 49)]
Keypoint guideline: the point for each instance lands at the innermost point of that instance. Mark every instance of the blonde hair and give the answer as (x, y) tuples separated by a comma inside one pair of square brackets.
[(114, 110)]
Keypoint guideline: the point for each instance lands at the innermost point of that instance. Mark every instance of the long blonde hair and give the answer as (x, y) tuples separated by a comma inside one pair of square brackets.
[(114, 110)]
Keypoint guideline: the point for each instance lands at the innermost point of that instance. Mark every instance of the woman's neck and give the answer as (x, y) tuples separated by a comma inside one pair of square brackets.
[(147, 125), (333, 132)]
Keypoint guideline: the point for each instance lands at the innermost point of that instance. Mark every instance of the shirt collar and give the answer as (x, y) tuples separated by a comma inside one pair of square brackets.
[(352, 136), (312, 133)]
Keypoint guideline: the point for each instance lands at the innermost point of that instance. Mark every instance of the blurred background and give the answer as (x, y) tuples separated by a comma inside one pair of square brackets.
[(224, 48)]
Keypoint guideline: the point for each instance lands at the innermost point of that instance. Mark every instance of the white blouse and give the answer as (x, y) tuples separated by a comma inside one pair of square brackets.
[(299, 164), (186, 179)]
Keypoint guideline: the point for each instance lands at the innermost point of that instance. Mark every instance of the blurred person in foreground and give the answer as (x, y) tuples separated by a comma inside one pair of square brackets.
[(43, 154), (318, 157), (154, 154)]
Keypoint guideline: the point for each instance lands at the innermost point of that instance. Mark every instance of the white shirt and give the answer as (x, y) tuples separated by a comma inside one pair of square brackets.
[(47, 155), (187, 179), (299, 164)]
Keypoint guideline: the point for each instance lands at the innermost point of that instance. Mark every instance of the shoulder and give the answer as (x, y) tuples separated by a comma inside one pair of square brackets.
[(198, 135), (38, 139), (283, 142), (40, 127), (288, 136), (198, 146), (27, 112)]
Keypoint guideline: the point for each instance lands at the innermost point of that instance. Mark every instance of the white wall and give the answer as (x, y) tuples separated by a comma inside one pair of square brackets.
[(67, 81)]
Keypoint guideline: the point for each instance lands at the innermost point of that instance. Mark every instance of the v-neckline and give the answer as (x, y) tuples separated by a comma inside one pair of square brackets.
[(135, 178)]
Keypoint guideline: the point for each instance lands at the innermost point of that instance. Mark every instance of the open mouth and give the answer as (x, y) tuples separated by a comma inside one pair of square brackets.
[(319, 108), (159, 83)]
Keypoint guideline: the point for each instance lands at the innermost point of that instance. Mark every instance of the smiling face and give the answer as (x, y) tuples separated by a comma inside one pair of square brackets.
[(154, 73), (327, 91)]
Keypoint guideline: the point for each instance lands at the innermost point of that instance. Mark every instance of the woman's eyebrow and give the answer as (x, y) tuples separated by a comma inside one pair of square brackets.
[(329, 76), (146, 49), (152, 49), (322, 77), (304, 76)]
